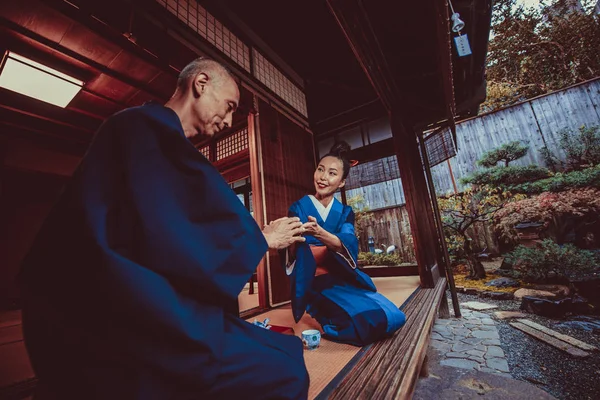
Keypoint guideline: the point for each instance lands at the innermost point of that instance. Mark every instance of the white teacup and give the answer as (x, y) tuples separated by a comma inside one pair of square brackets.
[(311, 338)]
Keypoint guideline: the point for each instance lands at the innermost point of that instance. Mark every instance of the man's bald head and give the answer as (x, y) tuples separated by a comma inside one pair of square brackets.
[(206, 97), (215, 72)]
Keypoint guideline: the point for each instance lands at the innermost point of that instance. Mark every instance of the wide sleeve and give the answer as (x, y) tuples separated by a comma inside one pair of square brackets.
[(347, 236), (189, 226)]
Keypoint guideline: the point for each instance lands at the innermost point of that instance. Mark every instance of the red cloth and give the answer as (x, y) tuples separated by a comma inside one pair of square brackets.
[(320, 255)]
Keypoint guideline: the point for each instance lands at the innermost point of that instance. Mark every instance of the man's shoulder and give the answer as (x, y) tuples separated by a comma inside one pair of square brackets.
[(130, 114)]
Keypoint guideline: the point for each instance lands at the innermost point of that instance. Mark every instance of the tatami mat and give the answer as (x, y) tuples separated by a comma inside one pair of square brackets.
[(330, 358)]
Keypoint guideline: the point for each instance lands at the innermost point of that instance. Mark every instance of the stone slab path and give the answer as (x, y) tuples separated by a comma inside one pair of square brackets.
[(470, 342)]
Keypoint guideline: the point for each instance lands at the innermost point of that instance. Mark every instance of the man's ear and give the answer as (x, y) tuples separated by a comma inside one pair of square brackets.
[(199, 84)]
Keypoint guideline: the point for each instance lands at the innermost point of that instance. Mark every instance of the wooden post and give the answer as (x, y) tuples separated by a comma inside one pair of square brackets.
[(452, 177), (256, 180), (440, 229), (418, 205), (343, 193)]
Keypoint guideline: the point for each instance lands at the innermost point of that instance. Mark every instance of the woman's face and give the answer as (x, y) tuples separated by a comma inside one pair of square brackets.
[(328, 176)]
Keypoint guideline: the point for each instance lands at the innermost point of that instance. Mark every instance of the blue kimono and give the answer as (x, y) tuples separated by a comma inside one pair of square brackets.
[(344, 301), (130, 289)]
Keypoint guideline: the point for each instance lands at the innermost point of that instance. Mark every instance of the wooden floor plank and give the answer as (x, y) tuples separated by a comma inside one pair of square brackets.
[(559, 344), (564, 338), (391, 367)]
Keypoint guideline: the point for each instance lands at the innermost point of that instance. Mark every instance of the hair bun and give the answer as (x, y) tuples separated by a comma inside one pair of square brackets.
[(340, 149)]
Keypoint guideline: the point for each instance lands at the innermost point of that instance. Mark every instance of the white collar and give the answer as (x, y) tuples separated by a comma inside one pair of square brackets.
[(323, 211)]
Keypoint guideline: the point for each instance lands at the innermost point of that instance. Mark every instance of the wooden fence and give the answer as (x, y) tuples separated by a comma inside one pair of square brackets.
[(537, 122), (390, 226)]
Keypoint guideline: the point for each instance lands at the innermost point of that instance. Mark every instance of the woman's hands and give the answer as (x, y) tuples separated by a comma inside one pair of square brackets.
[(331, 241), (312, 227)]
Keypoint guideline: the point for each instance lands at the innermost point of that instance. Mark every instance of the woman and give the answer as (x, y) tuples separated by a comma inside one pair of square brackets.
[(323, 270)]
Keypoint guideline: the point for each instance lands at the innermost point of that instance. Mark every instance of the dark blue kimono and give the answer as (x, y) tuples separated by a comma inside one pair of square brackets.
[(344, 301), (130, 288)]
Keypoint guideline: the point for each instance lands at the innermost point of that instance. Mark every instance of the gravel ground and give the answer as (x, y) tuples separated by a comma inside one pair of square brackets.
[(531, 360)]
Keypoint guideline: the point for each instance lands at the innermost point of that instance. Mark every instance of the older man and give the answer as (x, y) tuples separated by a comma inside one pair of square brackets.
[(128, 287)]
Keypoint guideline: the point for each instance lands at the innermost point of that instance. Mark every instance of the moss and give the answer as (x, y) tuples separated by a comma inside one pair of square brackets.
[(461, 280)]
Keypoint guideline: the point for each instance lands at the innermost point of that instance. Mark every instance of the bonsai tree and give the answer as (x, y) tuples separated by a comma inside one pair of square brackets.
[(459, 213), (505, 175), (506, 153)]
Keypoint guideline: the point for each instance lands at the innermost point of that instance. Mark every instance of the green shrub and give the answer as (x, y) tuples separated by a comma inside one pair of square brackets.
[(506, 176), (537, 264), (581, 150), (379, 259), (589, 177)]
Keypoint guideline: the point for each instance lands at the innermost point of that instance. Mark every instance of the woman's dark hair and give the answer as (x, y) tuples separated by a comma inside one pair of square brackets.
[(340, 150)]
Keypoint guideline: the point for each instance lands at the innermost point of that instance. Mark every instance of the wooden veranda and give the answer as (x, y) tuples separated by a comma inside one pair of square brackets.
[(307, 71)]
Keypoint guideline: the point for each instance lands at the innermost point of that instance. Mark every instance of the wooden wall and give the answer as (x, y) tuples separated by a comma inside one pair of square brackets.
[(288, 167), (390, 226)]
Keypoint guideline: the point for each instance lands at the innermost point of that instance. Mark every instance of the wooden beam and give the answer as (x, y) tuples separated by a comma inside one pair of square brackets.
[(552, 341), (356, 26), (375, 151), (564, 338)]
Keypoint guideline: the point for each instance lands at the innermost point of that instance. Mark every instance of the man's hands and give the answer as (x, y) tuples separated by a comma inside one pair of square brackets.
[(283, 232)]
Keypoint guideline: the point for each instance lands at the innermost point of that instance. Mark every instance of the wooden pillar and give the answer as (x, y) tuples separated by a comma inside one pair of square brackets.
[(258, 205), (418, 202), (343, 193)]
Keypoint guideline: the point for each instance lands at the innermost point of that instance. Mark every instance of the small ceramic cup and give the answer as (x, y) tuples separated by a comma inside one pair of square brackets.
[(311, 338)]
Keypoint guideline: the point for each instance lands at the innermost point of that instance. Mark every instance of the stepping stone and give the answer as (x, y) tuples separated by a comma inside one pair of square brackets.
[(458, 347), (476, 353), (509, 314), (491, 342), (476, 305), (486, 334), (460, 363), (464, 332), (494, 351), (487, 328), (441, 346), (498, 364), (473, 341), (477, 359), (519, 294), (488, 321), (454, 354)]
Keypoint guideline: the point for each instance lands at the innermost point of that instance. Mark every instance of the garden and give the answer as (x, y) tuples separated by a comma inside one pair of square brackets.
[(545, 220)]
